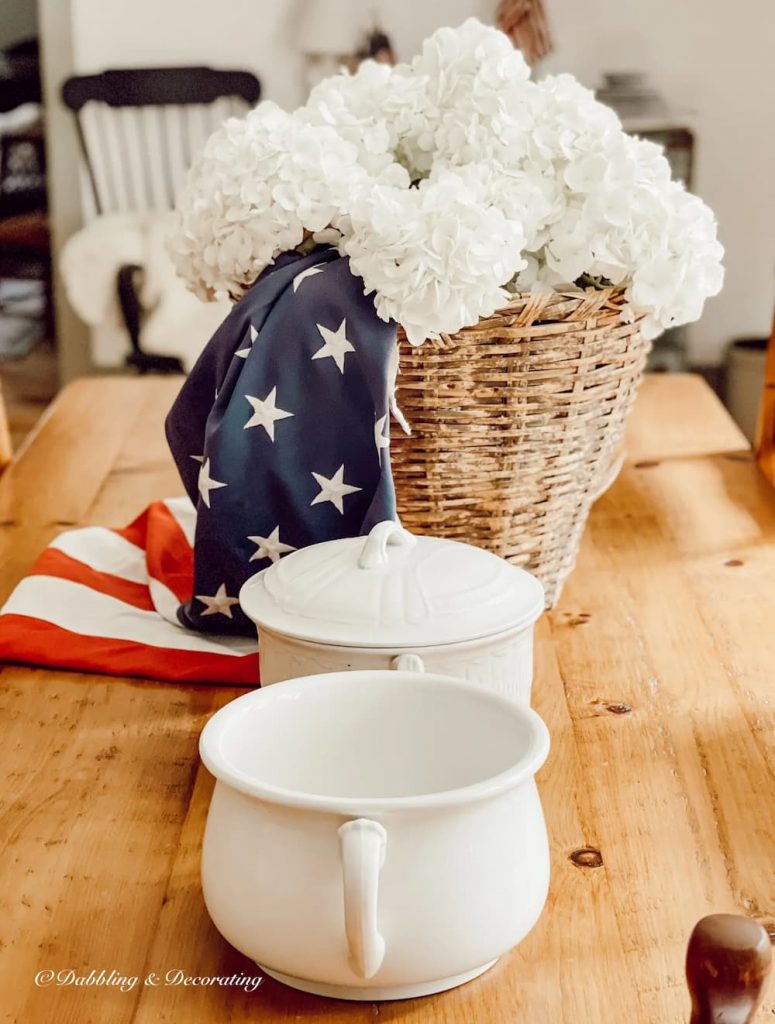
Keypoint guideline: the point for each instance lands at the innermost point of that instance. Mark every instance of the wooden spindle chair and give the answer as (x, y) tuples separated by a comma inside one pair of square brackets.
[(139, 130)]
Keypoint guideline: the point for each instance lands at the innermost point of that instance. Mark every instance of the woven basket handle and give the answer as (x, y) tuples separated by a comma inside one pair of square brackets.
[(375, 548), (727, 965)]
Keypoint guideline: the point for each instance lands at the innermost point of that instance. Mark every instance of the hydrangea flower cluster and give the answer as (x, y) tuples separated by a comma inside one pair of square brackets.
[(450, 183)]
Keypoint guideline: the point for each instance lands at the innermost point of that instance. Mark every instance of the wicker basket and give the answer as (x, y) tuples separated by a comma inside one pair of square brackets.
[(517, 426)]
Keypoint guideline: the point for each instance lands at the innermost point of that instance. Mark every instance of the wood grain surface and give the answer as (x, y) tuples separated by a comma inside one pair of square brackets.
[(654, 675), (6, 449)]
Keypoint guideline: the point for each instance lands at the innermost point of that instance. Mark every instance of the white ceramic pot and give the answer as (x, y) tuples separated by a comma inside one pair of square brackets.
[(362, 602), (374, 835)]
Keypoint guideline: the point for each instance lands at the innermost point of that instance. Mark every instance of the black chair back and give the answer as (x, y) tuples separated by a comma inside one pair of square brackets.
[(139, 129)]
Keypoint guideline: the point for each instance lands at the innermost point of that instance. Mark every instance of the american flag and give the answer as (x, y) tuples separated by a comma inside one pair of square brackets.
[(280, 435), (101, 600)]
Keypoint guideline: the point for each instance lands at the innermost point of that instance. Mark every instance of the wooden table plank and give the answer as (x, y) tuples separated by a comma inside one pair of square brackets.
[(536, 974), (669, 612), (86, 840), (698, 768), (89, 825), (83, 433), (684, 417), (88, 443)]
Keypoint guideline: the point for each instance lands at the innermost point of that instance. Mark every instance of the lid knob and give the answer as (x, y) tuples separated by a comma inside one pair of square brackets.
[(374, 551)]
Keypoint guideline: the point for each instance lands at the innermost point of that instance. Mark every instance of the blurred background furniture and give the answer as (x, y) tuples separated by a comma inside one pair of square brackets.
[(765, 435), (138, 131), (20, 76), (743, 378), (25, 244), (6, 452)]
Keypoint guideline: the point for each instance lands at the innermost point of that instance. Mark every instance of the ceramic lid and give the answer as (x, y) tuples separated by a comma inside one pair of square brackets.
[(392, 589)]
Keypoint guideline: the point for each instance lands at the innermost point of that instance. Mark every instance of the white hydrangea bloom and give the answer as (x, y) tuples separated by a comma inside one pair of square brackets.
[(260, 184), (627, 222), (436, 256), (353, 105), (450, 182), (477, 93)]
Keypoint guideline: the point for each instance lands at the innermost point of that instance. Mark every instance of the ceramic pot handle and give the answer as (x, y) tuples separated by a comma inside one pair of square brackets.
[(362, 847), (374, 551), (408, 663)]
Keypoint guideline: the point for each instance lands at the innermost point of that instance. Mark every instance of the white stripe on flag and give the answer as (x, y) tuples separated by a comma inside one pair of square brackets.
[(104, 551), (87, 612), (164, 601), (184, 514)]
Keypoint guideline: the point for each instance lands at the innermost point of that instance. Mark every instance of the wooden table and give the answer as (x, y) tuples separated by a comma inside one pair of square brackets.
[(655, 676)]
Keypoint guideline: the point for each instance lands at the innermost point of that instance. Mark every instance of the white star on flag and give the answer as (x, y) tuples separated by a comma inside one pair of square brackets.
[(269, 547), (333, 489), (206, 483), (243, 353), (219, 604), (265, 413), (198, 458), (379, 437), (336, 345), (309, 272)]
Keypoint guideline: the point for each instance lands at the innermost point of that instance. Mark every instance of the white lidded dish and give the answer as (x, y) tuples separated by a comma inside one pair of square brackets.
[(363, 603)]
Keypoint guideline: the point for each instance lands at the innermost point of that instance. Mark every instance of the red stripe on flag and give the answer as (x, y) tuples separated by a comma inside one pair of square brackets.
[(137, 531), (33, 641), (56, 563), (170, 558)]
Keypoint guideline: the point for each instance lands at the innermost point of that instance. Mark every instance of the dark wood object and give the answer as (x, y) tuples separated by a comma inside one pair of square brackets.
[(138, 131), (22, 171), (727, 966), (765, 434), (20, 82)]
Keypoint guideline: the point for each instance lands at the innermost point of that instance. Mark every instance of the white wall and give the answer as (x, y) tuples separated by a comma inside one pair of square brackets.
[(257, 35), (715, 59), (408, 22), (18, 21), (64, 194)]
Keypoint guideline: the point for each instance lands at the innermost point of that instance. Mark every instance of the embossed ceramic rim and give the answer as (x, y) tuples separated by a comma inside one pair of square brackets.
[(254, 592), (524, 768)]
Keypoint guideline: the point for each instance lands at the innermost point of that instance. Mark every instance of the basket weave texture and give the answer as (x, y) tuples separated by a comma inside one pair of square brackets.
[(517, 426)]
